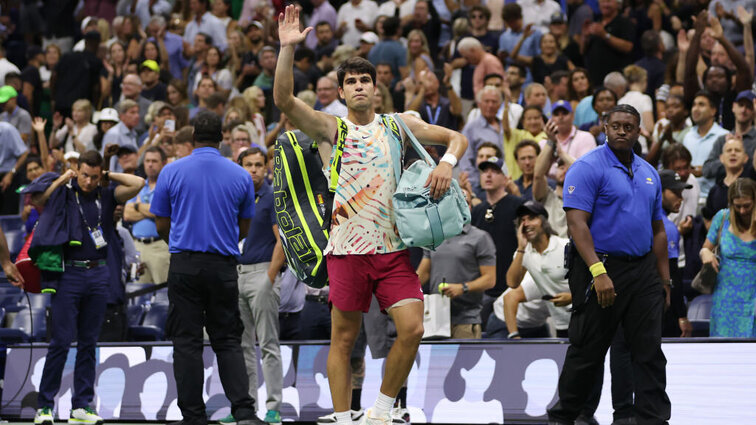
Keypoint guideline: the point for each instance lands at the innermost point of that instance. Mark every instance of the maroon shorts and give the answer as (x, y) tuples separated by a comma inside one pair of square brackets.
[(355, 278)]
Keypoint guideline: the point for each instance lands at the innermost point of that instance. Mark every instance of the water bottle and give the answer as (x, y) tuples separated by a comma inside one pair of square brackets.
[(135, 268)]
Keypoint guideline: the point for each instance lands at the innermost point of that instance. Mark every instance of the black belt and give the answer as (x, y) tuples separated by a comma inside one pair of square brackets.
[(148, 241), (323, 299), (286, 315), (623, 258), (204, 255), (86, 264)]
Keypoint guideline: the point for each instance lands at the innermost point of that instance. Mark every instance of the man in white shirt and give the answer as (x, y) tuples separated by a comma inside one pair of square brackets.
[(541, 253), (406, 8), (355, 17), (205, 22), (6, 66), (538, 13)]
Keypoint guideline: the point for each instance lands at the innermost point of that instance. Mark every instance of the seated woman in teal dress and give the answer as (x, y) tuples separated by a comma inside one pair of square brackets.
[(734, 298)]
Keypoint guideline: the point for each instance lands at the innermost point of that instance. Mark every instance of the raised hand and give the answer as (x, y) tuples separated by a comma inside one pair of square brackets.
[(38, 124), (716, 27), (683, 43), (745, 17), (528, 31), (288, 27), (701, 21)]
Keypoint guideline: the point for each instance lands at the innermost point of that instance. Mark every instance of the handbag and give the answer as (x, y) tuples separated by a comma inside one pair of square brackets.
[(29, 271), (706, 278), (421, 220), (436, 316)]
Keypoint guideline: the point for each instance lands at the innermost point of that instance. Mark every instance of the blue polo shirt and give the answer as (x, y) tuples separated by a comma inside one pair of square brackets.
[(144, 228), (204, 194), (260, 241), (622, 208)]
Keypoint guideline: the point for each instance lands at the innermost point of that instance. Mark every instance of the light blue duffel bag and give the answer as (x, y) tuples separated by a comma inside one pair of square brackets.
[(422, 221)]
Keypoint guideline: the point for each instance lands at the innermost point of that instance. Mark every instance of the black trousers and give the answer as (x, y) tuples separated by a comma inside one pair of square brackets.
[(203, 291), (115, 327), (288, 325), (638, 307)]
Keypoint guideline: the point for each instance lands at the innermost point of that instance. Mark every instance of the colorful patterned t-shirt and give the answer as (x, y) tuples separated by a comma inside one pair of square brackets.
[(363, 213)]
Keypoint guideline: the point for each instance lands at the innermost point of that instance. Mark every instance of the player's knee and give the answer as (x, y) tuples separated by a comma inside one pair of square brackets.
[(411, 334)]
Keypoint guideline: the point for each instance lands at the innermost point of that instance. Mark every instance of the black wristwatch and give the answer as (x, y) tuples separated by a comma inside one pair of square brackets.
[(465, 288)]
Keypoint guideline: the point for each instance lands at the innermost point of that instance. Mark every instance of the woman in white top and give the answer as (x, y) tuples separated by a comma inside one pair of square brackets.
[(255, 99), (418, 53), (637, 79), (222, 9), (214, 69), (78, 133), (52, 56)]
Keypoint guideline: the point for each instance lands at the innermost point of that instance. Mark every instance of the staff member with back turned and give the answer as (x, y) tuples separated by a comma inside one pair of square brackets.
[(201, 206), (379, 264), (613, 200)]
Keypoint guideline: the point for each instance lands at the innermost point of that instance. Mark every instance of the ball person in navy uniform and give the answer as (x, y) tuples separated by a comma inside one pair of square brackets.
[(78, 305), (202, 204), (619, 273)]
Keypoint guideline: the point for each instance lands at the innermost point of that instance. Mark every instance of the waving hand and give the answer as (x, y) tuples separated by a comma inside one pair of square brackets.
[(288, 27)]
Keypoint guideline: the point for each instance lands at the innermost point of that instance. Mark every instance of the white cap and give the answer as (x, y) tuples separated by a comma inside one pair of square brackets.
[(108, 114), (69, 155), (369, 37), (85, 22)]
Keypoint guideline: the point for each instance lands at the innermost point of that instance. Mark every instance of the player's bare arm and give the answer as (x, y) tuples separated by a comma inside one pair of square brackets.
[(427, 134), (318, 125)]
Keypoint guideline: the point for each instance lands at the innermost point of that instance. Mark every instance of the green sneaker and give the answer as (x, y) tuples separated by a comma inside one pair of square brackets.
[(84, 416), (228, 420), (43, 416), (273, 417)]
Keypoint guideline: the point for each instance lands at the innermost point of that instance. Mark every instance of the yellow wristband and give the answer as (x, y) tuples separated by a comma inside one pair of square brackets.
[(597, 269)]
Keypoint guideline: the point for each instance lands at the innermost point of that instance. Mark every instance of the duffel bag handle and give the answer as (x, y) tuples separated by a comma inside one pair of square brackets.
[(415, 144)]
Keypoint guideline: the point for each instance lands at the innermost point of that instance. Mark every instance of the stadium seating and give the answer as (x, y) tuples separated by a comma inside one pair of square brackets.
[(153, 324), (699, 314), (28, 325)]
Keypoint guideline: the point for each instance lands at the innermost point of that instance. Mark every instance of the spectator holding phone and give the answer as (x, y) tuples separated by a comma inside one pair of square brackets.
[(540, 252)]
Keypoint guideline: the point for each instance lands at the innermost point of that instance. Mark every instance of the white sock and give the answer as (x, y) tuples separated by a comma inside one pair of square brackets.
[(343, 418), (383, 405)]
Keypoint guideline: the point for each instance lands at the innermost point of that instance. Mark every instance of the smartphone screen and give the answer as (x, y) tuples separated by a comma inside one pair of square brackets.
[(170, 125)]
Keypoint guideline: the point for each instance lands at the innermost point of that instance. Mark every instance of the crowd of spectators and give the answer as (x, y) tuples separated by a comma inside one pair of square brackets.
[(527, 82)]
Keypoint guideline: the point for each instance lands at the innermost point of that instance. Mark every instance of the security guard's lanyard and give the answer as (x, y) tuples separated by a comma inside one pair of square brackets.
[(96, 233)]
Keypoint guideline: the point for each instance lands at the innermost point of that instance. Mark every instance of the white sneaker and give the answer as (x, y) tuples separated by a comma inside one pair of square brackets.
[(400, 416), (331, 418), (84, 416), (43, 416), (369, 420)]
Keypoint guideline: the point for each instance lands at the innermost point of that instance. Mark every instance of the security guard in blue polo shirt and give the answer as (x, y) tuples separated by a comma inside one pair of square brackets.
[(202, 204), (619, 274)]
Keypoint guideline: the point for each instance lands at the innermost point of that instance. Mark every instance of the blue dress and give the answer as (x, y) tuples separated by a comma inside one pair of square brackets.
[(732, 311)]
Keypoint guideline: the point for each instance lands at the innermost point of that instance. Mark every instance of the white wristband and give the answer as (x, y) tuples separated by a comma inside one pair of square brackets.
[(449, 158)]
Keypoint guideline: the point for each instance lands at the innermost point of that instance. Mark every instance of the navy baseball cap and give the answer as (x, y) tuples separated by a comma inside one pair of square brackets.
[(745, 95), (492, 162), (561, 104), (531, 207), (672, 181)]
